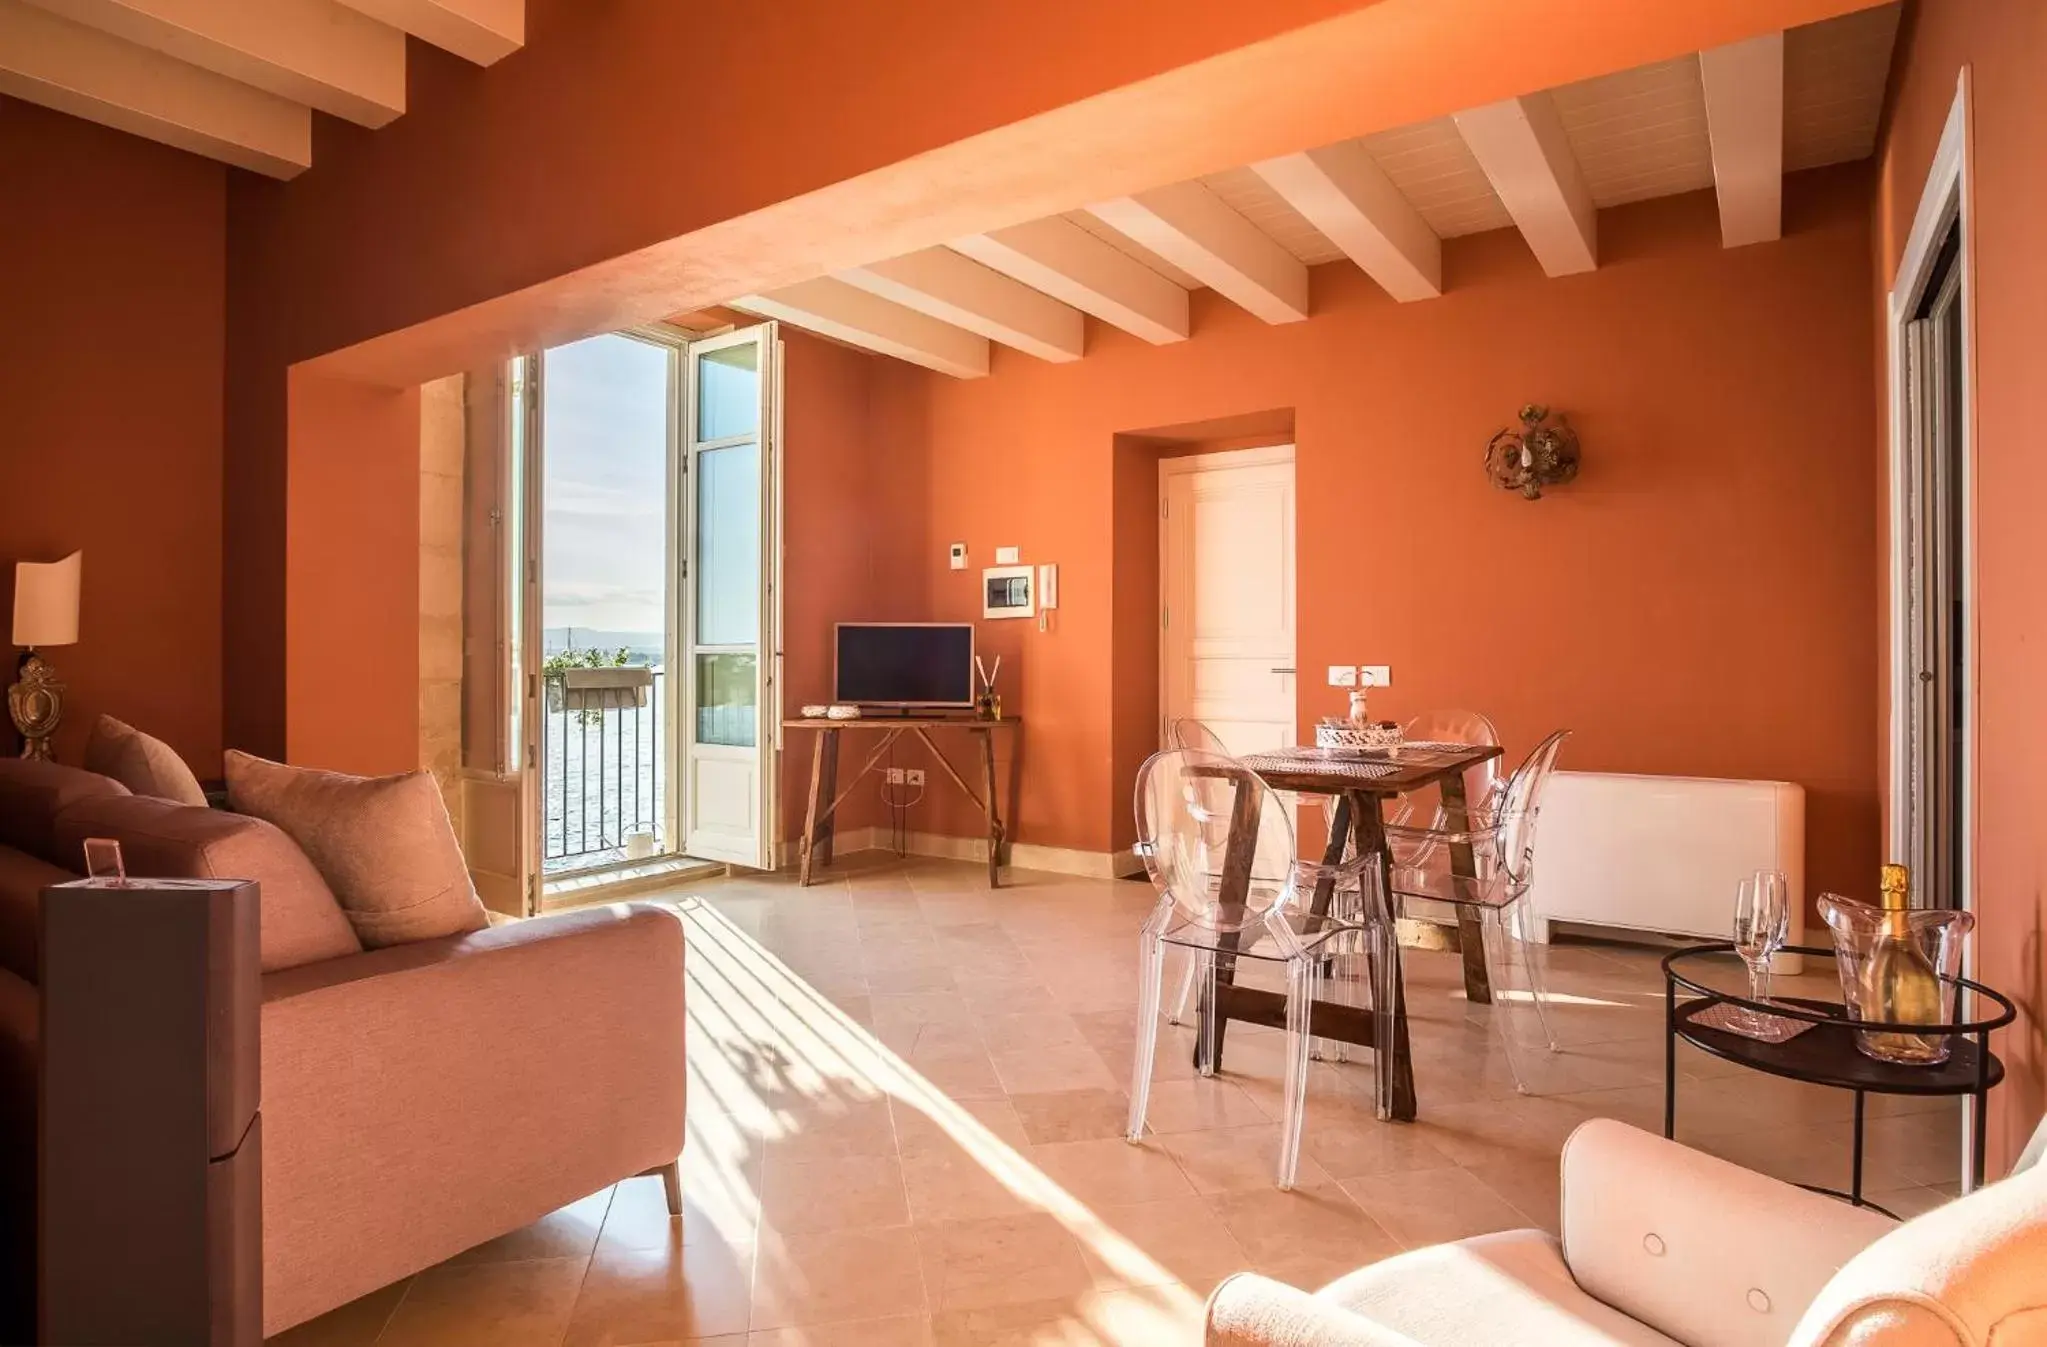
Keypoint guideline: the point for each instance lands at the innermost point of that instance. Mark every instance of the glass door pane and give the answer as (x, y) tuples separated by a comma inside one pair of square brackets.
[(729, 553)]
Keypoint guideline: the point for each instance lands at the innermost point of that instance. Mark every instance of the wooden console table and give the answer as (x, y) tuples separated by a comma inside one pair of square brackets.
[(825, 797)]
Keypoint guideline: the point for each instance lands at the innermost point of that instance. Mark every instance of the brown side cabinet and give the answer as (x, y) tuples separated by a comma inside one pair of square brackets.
[(149, 1193)]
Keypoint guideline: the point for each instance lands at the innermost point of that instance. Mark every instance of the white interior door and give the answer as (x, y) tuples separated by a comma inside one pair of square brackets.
[(729, 644), (1226, 576)]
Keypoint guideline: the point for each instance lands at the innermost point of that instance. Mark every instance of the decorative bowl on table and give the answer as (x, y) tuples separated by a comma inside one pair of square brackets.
[(815, 711), (1381, 736), (842, 711)]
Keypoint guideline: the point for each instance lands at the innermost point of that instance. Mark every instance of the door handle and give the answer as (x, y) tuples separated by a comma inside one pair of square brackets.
[(1288, 670)]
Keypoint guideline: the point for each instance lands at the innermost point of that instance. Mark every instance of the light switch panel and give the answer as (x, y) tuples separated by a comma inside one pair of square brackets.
[(1006, 556), (1343, 675), (1375, 675)]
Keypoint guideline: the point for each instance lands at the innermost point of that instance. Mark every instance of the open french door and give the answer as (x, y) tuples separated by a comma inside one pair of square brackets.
[(728, 628), (714, 712)]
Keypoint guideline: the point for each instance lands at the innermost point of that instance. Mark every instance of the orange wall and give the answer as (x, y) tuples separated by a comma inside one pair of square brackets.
[(351, 642), (2003, 44), (1699, 601), (850, 529), (112, 268)]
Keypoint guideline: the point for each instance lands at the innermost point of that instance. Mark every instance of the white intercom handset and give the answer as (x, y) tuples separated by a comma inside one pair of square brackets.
[(1048, 594)]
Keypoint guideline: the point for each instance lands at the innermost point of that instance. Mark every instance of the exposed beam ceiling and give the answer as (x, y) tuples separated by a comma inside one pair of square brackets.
[(308, 51), (1074, 267), (1521, 145), (236, 80), (87, 73), (482, 31), (1189, 226), (1343, 193), (831, 308), (1744, 85), (956, 289)]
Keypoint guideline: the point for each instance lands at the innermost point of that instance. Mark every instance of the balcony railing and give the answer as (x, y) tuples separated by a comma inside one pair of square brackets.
[(603, 771)]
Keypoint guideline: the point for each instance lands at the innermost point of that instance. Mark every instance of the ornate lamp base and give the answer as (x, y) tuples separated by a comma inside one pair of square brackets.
[(36, 701)]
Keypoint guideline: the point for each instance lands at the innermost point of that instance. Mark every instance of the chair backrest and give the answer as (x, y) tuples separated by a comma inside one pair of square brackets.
[(1480, 782), (1521, 803), (1187, 732), (1206, 825)]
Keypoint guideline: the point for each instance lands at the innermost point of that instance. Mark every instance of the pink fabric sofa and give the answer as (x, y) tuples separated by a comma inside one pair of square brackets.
[(417, 1099)]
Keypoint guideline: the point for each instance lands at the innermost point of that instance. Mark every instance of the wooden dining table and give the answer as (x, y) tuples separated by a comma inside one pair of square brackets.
[(1359, 783)]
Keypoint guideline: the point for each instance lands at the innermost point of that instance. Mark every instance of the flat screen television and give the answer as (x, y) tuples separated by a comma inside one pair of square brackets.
[(905, 664)]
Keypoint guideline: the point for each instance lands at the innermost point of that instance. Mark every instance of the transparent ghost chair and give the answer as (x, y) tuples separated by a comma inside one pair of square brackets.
[(1220, 850), (1432, 810), (1488, 866), (1426, 808), (1187, 732)]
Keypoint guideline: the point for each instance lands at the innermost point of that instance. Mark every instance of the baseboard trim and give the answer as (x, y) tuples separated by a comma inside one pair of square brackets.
[(1022, 855)]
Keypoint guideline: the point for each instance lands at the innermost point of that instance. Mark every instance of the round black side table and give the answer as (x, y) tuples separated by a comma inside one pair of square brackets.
[(1826, 1053)]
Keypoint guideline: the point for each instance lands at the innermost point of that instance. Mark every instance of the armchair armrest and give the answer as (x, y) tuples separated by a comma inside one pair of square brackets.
[(1697, 1248), (422, 1098), (1248, 1310)]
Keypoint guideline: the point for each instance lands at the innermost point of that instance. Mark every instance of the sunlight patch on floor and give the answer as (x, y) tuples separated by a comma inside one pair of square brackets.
[(744, 996)]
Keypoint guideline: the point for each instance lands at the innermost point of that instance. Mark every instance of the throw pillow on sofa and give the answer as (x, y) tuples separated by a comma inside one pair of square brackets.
[(301, 921), (383, 844), (143, 763)]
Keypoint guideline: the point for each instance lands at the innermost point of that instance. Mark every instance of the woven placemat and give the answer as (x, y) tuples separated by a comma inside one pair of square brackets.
[(1296, 759), (1733, 1019)]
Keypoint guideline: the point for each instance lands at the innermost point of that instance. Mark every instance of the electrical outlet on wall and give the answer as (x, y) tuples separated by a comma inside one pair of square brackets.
[(895, 776), (915, 775), (1375, 675), (1343, 675)]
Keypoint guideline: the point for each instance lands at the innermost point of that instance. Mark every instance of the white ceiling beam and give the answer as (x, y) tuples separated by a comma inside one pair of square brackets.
[(89, 74), (831, 308), (1060, 259), (1522, 147), (308, 51), (1745, 120), (1194, 229), (940, 283), (481, 31), (1345, 194)]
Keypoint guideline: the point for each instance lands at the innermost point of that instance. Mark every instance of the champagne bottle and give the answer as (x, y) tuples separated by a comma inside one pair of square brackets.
[(1900, 984)]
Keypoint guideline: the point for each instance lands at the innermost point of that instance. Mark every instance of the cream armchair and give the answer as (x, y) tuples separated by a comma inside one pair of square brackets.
[(1661, 1245)]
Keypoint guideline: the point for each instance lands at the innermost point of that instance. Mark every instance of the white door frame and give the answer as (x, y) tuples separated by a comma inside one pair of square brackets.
[(1194, 463), (1944, 202)]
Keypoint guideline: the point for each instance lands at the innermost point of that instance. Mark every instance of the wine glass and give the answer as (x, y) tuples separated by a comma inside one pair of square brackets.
[(1762, 916)]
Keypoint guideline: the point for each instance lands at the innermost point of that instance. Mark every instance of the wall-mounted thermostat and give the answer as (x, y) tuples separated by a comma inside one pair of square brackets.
[(956, 556), (1008, 591)]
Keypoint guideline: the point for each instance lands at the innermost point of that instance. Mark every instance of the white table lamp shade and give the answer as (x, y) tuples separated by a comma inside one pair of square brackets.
[(46, 601)]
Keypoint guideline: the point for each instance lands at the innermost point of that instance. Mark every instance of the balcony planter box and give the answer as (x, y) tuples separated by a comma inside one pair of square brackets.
[(619, 688)]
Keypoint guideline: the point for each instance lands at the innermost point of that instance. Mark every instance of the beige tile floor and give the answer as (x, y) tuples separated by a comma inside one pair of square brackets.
[(906, 1104)]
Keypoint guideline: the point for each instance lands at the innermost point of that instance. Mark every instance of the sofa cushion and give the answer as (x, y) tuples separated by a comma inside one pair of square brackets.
[(22, 880), (143, 763), (31, 793), (1509, 1287), (384, 844), (1973, 1271), (302, 923)]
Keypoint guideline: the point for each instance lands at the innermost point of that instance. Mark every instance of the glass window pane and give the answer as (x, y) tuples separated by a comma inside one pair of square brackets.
[(725, 699), (728, 392), (728, 545)]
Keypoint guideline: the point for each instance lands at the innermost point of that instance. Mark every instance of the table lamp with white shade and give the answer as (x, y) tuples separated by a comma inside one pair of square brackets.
[(45, 614)]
